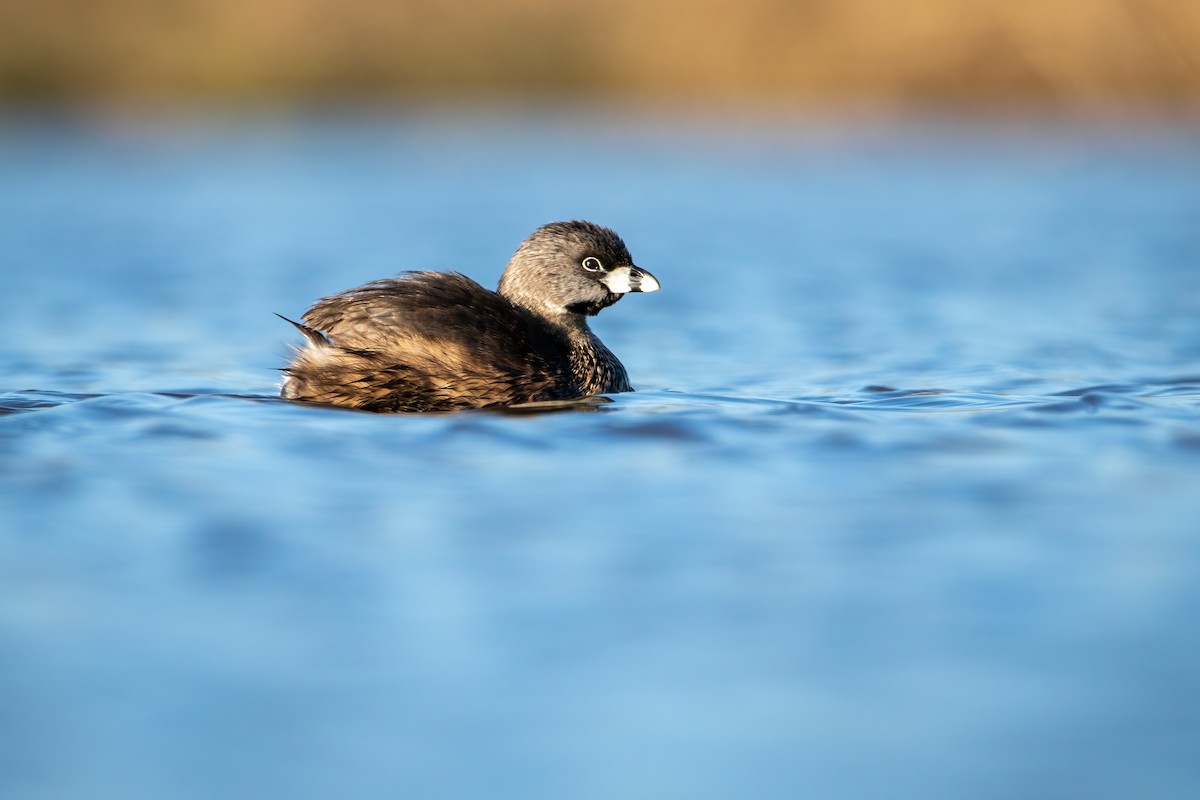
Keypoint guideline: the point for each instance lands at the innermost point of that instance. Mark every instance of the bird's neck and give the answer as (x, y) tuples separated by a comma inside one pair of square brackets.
[(593, 364), (570, 323), (578, 332)]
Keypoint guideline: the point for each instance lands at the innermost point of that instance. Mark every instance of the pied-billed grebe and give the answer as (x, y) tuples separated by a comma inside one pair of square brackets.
[(434, 341)]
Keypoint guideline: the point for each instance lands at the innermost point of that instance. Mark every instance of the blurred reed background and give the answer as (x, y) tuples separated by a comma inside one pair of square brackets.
[(1060, 55)]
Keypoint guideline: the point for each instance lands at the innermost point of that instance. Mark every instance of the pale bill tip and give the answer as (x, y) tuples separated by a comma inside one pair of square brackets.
[(649, 283)]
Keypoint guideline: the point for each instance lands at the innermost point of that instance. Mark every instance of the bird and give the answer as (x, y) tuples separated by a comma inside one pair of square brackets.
[(438, 341)]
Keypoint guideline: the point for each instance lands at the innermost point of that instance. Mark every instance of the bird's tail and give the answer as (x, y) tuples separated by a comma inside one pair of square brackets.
[(314, 336)]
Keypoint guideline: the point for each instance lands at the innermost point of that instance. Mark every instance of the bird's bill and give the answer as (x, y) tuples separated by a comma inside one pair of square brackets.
[(620, 280)]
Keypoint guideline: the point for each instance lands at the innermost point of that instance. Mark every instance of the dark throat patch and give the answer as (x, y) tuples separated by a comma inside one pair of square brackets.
[(593, 307)]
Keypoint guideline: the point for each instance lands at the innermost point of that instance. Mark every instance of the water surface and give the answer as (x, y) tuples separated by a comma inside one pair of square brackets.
[(906, 503)]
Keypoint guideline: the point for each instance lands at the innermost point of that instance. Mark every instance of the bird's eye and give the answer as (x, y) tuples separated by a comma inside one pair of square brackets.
[(592, 264)]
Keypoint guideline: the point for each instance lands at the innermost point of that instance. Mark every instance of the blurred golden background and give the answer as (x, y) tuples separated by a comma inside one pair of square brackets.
[(1056, 54)]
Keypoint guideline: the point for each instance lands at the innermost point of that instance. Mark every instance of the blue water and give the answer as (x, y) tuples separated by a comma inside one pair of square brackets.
[(907, 503)]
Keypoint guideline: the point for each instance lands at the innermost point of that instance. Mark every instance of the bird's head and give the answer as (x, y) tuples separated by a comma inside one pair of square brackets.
[(572, 268)]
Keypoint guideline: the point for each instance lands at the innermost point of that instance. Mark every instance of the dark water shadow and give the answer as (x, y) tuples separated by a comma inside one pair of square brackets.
[(1175, 397)]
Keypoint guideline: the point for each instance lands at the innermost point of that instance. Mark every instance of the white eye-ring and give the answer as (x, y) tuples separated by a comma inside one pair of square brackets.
[(592, 264)]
